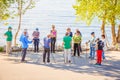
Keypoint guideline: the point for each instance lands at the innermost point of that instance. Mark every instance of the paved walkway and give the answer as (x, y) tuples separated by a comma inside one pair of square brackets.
[(81, 69)]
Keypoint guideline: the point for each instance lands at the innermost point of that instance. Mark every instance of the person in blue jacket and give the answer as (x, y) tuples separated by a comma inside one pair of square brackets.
[(47, 46), (24, 40), (25, 30)]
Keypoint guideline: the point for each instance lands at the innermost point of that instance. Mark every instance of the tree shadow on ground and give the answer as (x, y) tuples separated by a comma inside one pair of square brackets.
[(110, 68)]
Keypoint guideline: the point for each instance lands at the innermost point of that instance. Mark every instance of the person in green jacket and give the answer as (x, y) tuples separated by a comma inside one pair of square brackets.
[(67, 42), (9, 37), (76, 41)]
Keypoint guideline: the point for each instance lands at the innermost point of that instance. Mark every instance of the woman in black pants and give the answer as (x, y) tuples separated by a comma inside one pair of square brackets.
[(53, 38), (77, 40), (80, 41)]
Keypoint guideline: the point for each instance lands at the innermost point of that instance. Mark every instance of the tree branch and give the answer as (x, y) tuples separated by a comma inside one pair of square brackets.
[(27, 7)]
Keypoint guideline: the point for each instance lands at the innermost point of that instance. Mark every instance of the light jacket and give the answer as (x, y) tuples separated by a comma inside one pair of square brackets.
[(25, 41)]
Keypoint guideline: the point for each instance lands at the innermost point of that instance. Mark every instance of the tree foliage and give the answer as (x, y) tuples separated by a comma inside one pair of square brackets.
[(9, 8), (105, 10), (88, 9), (21, 7), (4, 9)]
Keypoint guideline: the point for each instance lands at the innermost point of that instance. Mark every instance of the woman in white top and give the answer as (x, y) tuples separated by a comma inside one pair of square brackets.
[(105, 46)]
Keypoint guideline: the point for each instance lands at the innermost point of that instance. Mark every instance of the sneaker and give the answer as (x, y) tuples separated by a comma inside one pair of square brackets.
[(65, 62), (37, 52), (23, 61), (104, 58), (48, 63), (99, 64), (44, 62), (73, 55), (89, 57), (69, 61), (53, 51), (92, 58), (10, 53), (96, 63)]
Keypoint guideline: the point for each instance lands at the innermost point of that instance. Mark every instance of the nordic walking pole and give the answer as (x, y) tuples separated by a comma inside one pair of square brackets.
[(64, 57), (73, 55), (86, 50), (50, 53), (53, 57), (73, 59), (79, 51), (63, 54), (40, 54)]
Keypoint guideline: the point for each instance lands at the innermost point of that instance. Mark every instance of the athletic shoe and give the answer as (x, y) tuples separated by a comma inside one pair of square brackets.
[(69, 61), (96, 63), (99, 64), (23, 61)]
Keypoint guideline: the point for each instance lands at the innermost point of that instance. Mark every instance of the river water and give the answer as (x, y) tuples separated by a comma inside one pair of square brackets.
[(48, 12)]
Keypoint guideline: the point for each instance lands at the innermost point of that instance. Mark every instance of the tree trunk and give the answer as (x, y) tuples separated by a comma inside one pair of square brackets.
[(118, 35), (114, 41), (103, 24), (20, 18), (103, 27)]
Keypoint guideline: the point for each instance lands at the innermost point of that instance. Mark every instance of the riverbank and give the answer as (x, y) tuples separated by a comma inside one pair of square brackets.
[(57, 48), (82, 69)]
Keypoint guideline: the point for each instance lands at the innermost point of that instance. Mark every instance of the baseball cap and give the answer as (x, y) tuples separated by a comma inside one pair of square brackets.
[(37, 29), (9, 27), (92, 33)]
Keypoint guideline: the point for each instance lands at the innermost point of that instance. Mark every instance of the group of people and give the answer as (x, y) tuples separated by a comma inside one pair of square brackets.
[(98, 46), (49, 43), (70, 41)]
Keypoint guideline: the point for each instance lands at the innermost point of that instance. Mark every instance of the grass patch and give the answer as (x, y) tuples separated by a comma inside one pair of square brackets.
[(1, 49)]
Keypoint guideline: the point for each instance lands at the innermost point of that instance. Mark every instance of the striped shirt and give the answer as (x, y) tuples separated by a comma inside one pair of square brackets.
[(36, 34)]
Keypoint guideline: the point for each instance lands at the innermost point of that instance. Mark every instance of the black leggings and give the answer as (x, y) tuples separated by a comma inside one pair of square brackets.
[(53, 41), (36, 45), (46, 52), (24, 51), (76, 48)]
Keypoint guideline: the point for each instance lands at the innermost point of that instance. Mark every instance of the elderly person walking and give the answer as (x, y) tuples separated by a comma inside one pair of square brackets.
[(24, 40)]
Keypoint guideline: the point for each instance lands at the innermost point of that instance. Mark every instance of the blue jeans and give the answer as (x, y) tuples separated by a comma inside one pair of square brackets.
[(36, 45), (103, 54), (92, 52)]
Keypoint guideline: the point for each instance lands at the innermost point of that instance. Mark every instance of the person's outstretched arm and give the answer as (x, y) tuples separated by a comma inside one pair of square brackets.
[(27, 41)]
